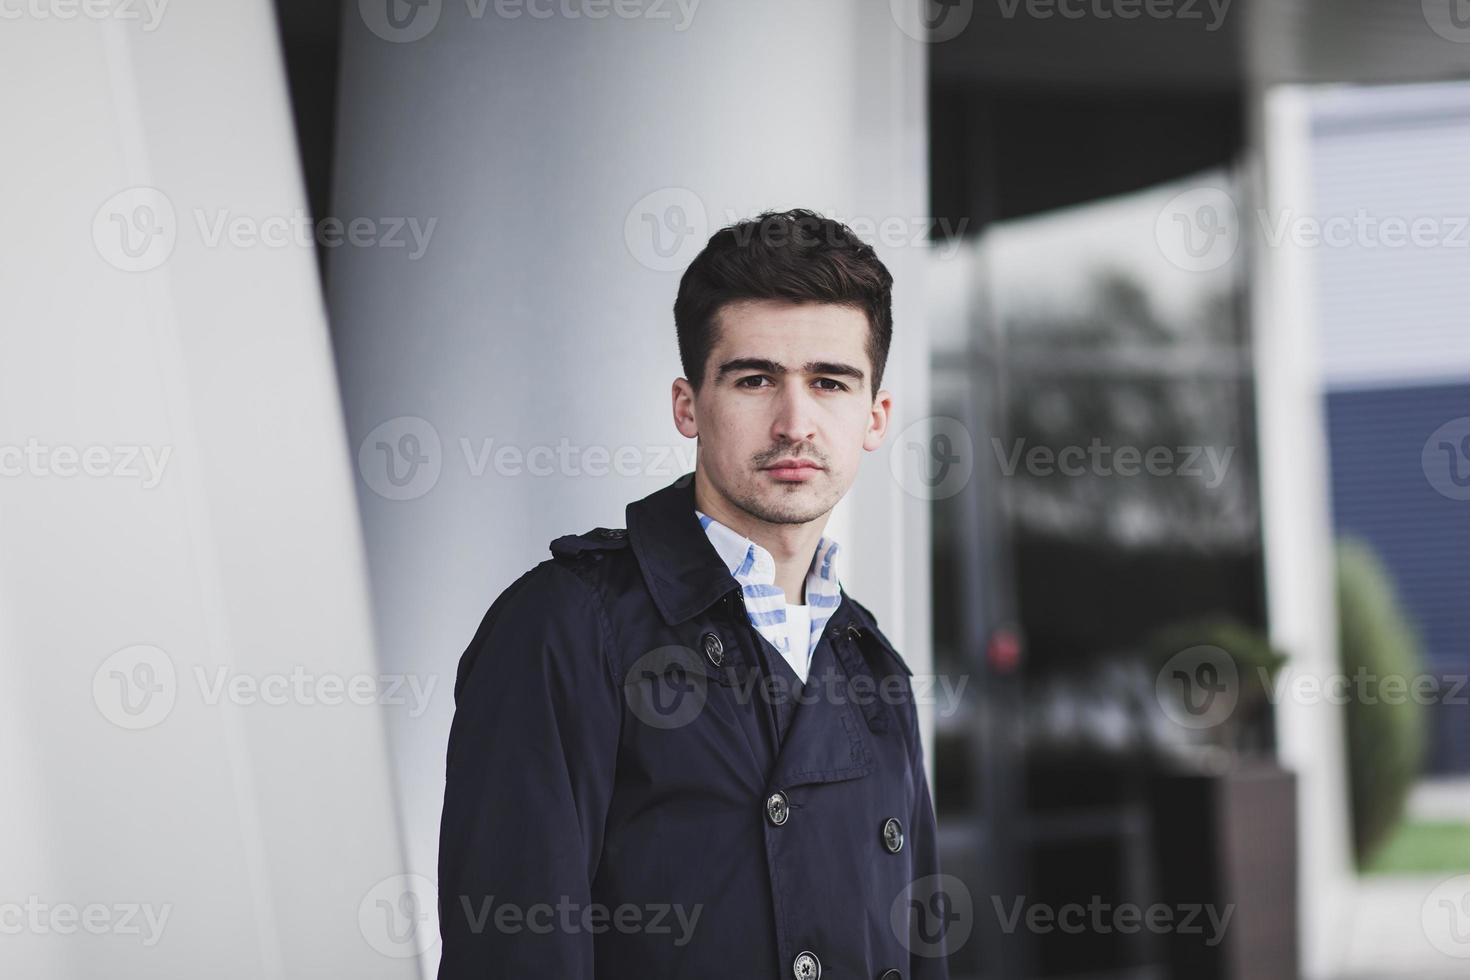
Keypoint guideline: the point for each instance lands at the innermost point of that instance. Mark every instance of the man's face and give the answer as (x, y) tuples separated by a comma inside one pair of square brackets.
[(784, 382)]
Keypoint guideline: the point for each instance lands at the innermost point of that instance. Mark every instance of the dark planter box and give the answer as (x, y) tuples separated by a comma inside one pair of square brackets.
[(1229, 842)]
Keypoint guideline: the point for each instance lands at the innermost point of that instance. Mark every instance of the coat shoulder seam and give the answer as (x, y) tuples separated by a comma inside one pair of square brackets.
[(582, 573)]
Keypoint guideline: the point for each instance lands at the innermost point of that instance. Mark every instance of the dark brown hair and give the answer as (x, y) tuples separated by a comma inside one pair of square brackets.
[(795, 255)]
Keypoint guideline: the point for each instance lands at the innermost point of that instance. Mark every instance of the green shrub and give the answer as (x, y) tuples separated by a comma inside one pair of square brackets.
[(1385, 734), (1250, 729)]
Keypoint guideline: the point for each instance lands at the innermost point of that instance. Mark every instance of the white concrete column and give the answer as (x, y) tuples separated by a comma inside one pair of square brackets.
[(179, 541), (1296, 515), (573, 166)]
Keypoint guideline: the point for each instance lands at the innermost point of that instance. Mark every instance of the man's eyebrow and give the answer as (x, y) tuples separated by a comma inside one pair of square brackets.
[(767, 366)]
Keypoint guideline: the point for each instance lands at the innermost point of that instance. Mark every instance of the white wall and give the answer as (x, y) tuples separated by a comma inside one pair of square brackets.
[(541, 310), (253, 833), (1392, 312)]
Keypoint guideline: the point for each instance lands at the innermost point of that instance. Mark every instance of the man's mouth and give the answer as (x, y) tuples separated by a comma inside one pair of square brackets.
[(793, 469)]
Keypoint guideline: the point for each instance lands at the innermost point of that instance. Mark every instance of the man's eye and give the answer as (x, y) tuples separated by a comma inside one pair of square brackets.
[(755, 380)]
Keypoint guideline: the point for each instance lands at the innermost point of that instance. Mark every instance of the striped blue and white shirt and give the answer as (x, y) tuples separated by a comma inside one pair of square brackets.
[(765, 603)]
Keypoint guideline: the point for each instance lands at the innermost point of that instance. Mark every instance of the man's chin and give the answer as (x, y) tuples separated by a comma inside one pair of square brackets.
[(787, 504)]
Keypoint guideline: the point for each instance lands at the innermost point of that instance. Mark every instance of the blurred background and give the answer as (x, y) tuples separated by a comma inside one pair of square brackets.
[(322, 319)]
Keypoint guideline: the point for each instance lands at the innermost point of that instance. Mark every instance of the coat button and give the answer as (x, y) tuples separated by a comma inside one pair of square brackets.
[(893, 835), (854, 632), (713, 648), (806, 966), (777, 808), (891, 975)]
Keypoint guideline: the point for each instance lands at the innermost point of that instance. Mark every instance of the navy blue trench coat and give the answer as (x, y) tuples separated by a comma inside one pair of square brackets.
[(639, 787)]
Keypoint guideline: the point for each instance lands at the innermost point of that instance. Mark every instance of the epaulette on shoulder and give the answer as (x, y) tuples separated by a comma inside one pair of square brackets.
[(867, 613), (599, 539), (884, 644)]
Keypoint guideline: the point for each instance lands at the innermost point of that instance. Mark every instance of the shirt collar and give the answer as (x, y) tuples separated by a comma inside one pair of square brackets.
[(752, 564), (683, 572)]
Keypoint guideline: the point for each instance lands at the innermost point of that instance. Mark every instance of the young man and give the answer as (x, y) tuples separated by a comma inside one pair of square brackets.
[(681, 749)]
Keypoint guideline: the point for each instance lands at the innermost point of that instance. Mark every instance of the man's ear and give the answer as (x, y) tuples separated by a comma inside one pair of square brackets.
[(878, 419), (685, 419)]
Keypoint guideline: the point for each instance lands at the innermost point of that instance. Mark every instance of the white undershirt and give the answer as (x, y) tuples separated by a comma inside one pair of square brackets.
[(798, 633)]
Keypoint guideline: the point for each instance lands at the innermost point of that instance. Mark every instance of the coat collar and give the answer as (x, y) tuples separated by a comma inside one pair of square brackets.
[(827, 741), (683, 571)]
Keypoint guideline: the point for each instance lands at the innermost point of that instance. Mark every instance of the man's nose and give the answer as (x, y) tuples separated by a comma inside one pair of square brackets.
[(795, 416)]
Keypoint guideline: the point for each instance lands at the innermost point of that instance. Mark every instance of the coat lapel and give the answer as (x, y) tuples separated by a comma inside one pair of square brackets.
[(828, 738), (827, 741)]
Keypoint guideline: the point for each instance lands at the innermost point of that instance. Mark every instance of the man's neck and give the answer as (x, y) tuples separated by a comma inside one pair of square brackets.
[(792, 546)]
